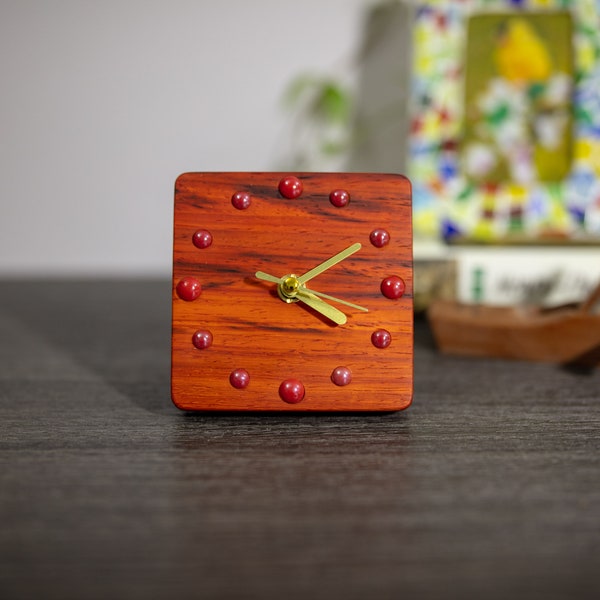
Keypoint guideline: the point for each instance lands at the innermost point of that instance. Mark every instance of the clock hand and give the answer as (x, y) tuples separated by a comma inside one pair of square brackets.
[(267, 277), (330, 262), (332, 313), (290, 291), (271, 278), (334, 299), (334, 260), (287, 286)]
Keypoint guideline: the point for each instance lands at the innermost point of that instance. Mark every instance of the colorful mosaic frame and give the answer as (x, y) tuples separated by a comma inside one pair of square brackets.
[(448, 202)]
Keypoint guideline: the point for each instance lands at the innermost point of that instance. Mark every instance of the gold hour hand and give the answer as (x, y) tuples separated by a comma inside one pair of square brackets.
[(338, 300), (296, 292), (298, 289), (332, 313), (330, 262)]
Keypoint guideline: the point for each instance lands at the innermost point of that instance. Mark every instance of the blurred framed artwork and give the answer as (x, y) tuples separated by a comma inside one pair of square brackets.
[(505, 121)]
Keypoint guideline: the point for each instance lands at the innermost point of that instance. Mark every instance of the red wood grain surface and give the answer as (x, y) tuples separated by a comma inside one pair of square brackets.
[(253, 329)]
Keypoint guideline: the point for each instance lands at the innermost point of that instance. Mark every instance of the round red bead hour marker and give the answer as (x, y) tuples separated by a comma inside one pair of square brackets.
[(188, 289), (202, 339), (290, 187), (239, 379), (291, 391), (202, 239), (341, 376), (339, 198), (381, 338), (241, 200), (379, 238), (392, 287)]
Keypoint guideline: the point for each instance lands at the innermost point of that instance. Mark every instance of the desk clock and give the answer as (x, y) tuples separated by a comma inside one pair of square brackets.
[(292, 292)]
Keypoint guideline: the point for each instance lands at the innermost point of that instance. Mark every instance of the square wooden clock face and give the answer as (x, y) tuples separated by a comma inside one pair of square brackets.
[(292, 292)]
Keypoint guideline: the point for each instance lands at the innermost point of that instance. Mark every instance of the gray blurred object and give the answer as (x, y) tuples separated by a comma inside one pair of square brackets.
[(356, 117), (384, 63), (434, 279), (381, 126)]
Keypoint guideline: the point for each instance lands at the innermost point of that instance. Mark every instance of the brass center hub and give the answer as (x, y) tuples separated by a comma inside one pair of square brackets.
[(288, 288)]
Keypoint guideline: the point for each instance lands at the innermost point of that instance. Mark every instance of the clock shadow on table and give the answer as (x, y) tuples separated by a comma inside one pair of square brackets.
[(292, 414), (346, 433)]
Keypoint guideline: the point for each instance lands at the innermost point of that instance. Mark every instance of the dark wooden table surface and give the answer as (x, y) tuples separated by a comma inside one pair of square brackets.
[(487, 487)]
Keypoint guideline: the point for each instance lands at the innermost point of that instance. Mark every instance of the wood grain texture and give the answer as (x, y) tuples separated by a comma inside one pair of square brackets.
[(253, 329), (487, 487), (566, 335)]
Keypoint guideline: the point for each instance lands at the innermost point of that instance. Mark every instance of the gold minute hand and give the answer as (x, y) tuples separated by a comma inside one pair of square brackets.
[(334, 260)]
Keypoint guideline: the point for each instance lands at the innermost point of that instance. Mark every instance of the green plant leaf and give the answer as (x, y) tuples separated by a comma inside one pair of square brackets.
[(333, 103), (298, 87), (331, 148)]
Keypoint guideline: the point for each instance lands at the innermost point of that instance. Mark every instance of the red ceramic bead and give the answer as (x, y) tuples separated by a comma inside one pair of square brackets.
[(202, 339), (392, 287), (290, 187), (341, 376), (339, 198), (241, 200), (188, 289), (379, 238), (291, 391), (381, 338), (202, 239), (239, 379)]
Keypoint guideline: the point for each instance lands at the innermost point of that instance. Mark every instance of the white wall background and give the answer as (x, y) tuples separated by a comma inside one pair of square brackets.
[(104, 103)]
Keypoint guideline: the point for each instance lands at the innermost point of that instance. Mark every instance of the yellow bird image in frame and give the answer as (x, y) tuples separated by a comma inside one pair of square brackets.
[(520, 54)]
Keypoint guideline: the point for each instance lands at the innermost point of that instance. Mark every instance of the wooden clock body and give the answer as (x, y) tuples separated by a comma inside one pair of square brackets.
[(251, 331)]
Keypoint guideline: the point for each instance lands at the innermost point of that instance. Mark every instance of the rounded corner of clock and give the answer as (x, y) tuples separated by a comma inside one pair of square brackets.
[(181, 178), (178, 402), (186, 180), (404, 179), (397, 175), (402, 403)]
